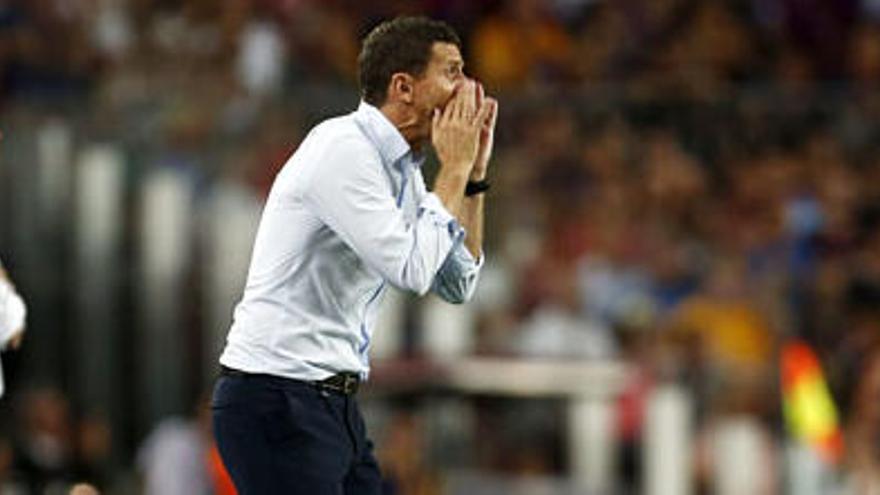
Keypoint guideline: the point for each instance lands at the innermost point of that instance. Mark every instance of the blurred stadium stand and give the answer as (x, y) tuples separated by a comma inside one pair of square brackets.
[(680, 188)]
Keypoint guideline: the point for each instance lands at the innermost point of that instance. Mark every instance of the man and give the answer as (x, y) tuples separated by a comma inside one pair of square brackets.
[(348, 215), (12, 318)]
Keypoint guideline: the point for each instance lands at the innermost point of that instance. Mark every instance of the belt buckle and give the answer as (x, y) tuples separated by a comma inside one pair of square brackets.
[(349, 383)]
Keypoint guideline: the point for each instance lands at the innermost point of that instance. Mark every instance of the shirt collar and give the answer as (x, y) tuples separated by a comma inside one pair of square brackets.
[(388, 140)]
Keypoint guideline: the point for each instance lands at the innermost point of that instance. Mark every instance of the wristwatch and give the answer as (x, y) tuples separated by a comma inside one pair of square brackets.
[(475, 187)]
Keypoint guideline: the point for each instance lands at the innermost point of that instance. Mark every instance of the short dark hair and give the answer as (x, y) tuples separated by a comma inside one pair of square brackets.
[(400, 45)]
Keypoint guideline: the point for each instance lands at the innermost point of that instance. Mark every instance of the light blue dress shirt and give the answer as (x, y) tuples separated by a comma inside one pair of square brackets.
[(348, 215)]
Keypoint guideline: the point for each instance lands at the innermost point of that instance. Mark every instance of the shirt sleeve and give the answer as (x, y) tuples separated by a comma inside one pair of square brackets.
[(351, 194), (457, 279)]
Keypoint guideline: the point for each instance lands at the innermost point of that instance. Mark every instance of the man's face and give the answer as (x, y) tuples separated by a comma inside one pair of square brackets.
[(445, 71)]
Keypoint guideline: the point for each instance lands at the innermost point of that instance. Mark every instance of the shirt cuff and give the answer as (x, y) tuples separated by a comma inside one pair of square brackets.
[(465, 258)]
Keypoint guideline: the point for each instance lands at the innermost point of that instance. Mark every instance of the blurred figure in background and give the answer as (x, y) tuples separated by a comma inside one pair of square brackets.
[(84, 489), (93, 454), (734, 336), (8, 478), (405, 467), (179, 457), (736, 452), (13, 313), (12, 317), (522, 43), (44, 449), (862, 471)]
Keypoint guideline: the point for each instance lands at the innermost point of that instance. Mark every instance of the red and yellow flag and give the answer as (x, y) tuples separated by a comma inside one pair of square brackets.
[(809, 409)]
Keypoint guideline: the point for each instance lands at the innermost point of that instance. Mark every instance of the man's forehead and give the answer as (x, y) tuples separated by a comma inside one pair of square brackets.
[(446, 53)]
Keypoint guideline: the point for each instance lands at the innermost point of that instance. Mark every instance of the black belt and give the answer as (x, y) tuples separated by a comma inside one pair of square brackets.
[(346, 383)]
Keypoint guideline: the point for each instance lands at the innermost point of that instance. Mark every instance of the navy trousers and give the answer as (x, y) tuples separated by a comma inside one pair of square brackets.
[(280, 436)]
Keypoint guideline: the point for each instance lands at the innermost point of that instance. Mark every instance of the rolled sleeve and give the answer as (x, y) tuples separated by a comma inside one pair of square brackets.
[(352, 196), (457, 279), (432, 208)]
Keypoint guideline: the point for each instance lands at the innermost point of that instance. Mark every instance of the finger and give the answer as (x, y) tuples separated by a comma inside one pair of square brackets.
[(493, 114), (460, 100), (470, 99), (489, 119), (459, 86), (478, 97), (465, 110), (484, 115), (435, 118), (451, 111)]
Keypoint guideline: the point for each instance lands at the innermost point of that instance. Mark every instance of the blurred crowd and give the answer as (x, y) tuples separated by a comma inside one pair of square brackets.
[(683, 185), (121, 50)]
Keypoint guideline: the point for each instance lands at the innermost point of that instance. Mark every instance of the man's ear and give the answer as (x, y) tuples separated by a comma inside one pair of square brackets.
[(401, 87)]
